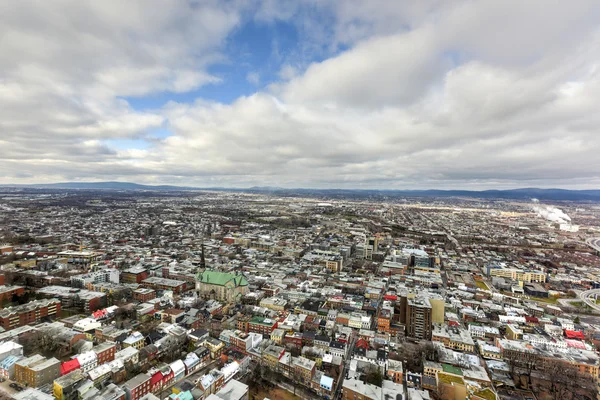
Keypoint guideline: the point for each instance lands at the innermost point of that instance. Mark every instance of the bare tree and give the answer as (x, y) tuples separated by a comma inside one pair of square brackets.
[(173, 348), (430, 351), (4, 395), (43, 342), (511, 358), (443, 392), (563, 381)]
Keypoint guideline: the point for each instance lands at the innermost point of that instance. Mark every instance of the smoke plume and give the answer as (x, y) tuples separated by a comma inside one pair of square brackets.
[(552, 214)]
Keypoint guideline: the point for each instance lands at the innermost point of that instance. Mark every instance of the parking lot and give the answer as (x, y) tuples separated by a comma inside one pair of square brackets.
[(5, 387)]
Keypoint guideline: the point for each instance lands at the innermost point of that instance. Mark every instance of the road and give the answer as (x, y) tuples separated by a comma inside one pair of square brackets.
[(589, 298), (566, 302), (191, 377), (346, 365), (594, 243)]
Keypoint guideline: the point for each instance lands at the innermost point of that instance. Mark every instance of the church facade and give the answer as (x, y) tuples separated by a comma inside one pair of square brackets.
[(222, 286)]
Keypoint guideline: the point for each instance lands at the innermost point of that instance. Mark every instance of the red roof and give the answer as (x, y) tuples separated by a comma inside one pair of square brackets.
[(533, 320), (453, 323), (69, 366), (362, 343), (574, 334), (390, 297)]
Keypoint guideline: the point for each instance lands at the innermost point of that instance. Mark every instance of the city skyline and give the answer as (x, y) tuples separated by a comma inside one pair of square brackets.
[(349, 94)]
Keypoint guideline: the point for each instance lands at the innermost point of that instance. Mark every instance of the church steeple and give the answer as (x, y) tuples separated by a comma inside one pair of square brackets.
[(202, 259)]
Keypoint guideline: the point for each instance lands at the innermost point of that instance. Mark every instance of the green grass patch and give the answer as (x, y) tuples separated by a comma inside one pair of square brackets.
[(549, 300)]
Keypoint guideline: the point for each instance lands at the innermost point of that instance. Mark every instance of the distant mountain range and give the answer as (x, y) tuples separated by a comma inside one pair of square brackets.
[(515, 194), (101, 186)]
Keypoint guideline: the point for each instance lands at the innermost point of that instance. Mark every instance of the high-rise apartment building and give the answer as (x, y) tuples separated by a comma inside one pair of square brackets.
[(418, 318)]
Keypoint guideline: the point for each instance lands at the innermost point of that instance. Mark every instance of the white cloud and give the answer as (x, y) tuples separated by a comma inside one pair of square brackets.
[(439, 94), (253, 78), (287, 72)]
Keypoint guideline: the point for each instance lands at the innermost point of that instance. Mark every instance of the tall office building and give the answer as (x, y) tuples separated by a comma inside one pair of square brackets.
[(418, 318), (374, 242)]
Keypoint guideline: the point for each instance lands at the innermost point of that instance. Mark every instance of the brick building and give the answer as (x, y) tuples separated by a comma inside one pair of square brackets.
[(29, 313), (105, 352), (134, 275), (144, 294), (8, 292), (137, 387), (36, 371), (262, 325)]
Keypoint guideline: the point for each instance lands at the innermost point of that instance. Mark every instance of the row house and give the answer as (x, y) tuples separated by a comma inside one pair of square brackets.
[(304, 368), (294, 339), (137, 387), (160, 378), (246, 341), (271, 355)]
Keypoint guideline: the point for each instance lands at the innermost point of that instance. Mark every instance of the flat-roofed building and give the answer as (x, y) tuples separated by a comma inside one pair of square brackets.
[(303, 368), (36, 371), (137, 387), (103, 275), (262, 325), (158, 283), (134, 275), (29, 313), (65, 387), (85, 300), (80, 258), (418, 318), (144, 294)]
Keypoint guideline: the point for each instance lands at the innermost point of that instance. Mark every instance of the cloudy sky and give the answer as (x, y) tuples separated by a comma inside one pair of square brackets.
[(305, 93)]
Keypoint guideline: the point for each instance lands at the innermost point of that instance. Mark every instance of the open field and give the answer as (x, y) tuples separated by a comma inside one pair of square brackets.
[(273, 394), (551, 300)]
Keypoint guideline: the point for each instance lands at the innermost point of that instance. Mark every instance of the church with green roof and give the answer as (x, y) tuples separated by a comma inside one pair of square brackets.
[(223, 286)]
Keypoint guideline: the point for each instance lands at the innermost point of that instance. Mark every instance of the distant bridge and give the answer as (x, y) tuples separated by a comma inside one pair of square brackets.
[(594, 243), (589, 298)]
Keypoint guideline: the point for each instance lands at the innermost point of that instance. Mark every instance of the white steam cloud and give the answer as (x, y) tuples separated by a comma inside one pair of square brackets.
[(552, 214)]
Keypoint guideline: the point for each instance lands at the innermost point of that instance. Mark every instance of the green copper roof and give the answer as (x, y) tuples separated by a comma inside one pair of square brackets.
[(221, 278)]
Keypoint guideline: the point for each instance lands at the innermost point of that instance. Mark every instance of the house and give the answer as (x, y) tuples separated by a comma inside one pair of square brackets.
[(105, 352), (136, 340), (272, 354), (137, 387), (233, 390), (303, 368)]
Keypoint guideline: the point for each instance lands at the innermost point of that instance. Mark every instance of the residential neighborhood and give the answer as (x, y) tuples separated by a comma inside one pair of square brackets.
[(234, 296)]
